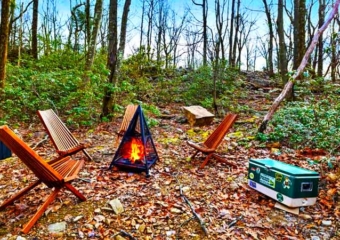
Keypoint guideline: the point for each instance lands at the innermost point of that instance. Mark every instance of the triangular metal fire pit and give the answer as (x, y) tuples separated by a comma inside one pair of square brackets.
[(137, 134)]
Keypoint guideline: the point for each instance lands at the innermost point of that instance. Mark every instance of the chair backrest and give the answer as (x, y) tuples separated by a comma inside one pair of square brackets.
[(128, 115), (29, 157), (216, 137), (60, 135)]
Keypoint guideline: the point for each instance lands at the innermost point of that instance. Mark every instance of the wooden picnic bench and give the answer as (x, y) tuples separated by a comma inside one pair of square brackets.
[(61, 137), (56, 174)]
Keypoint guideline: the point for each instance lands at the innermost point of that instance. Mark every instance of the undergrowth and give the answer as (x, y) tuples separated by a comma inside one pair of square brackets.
[(58, 81), (307, 124)]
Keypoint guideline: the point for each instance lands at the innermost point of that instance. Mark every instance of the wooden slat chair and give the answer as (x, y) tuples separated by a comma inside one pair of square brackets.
[(128, 115), (214, 140), (61, 137), (56, 174)]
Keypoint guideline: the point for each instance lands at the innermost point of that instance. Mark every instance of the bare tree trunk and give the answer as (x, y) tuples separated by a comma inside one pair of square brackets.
[(320, 52), (20, 36), (282, 44), (149, 30), (299, 70), (115, 54), (87, 25), (35, 29), (299, 31), (12, 30), (271, 39), (160, 25), (4, 32), (237, 27), (333, 54), (112, 57), (141, 27), (204, 6), (98, 10), (231, 60), (123, 27)]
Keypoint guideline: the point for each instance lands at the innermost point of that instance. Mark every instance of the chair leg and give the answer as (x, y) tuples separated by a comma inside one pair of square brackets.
[(40, 211), (75, 191), (206, 160), (87, 155), (19, 194)]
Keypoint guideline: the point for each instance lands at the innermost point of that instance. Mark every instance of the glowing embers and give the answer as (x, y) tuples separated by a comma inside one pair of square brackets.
[(136, 151)]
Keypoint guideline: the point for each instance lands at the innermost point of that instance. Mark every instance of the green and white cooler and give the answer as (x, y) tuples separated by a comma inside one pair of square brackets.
[(290, 185)]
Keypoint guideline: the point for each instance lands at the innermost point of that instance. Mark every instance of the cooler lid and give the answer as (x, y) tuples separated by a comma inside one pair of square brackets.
[(284, 167)]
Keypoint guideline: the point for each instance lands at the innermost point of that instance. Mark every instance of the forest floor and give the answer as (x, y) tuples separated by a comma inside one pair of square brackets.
[(154, 207)]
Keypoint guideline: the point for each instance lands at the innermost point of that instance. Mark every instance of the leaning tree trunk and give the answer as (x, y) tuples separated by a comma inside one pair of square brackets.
[(299, 70)]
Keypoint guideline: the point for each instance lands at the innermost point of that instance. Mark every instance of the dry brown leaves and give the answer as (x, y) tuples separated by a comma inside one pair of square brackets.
[(153, 207)]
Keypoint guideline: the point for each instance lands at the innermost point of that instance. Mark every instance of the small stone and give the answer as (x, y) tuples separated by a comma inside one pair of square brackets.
[(148, 230), (327, 222), (97, 210), (117, 206), (57, 227)]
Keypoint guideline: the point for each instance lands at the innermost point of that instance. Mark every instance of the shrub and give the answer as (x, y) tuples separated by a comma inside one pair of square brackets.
[(305, 124)]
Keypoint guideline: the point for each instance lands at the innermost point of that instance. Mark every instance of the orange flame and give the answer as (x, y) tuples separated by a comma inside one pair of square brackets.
[(133, 150)]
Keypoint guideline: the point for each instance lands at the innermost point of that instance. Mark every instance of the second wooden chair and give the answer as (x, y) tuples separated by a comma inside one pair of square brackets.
[(128, 115), (214, 140), (61, 137)]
